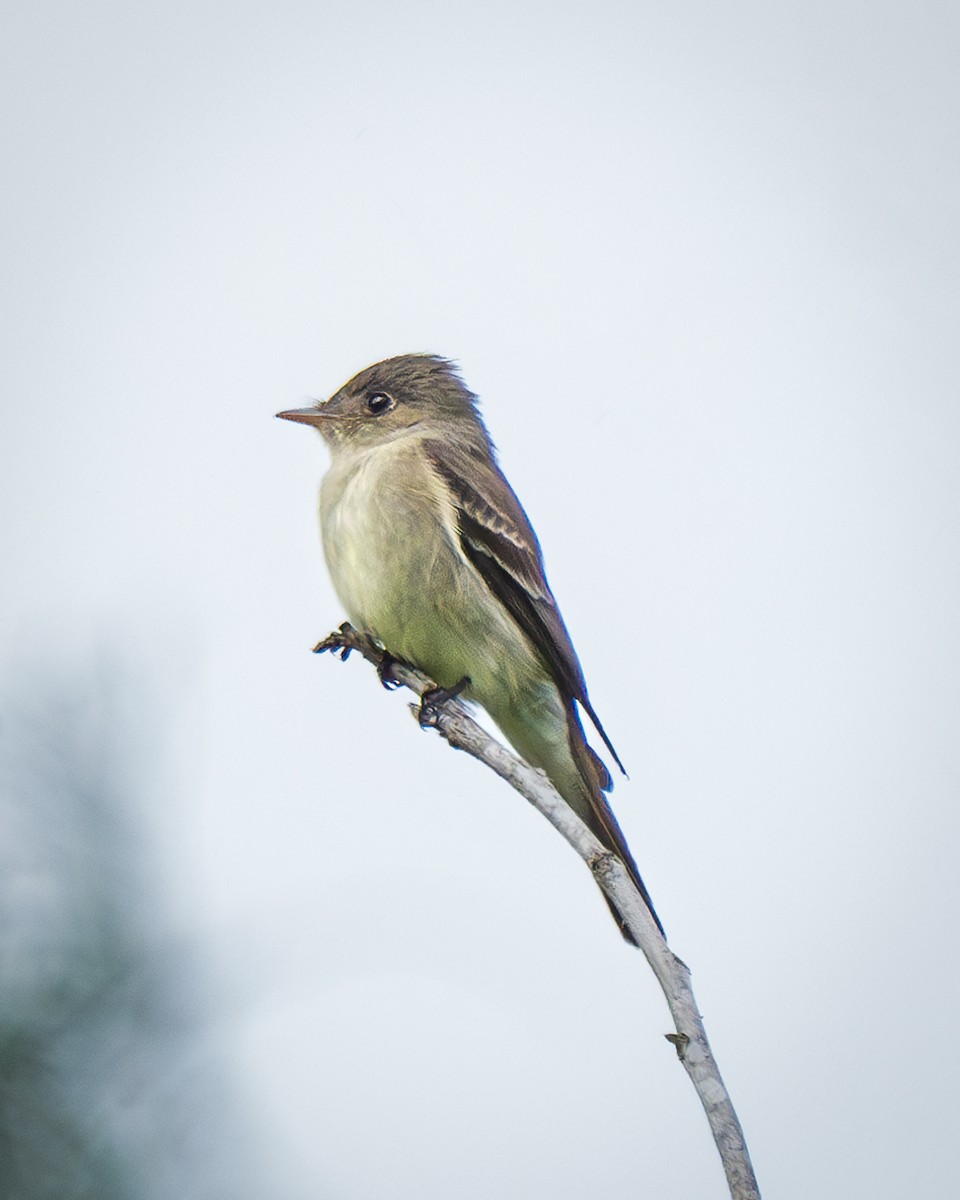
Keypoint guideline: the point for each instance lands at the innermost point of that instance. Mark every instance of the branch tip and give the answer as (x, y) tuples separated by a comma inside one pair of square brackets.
[(438, 709)]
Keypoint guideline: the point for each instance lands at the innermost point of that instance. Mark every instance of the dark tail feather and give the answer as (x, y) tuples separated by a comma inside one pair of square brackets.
[(588, 708), (622, 851), (603, 823)]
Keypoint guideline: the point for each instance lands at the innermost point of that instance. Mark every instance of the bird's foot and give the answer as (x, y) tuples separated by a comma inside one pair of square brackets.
[(346, 639), (342, 643), (433, 698)]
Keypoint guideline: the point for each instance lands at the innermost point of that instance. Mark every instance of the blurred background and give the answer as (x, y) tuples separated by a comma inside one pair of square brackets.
[(261, 936)]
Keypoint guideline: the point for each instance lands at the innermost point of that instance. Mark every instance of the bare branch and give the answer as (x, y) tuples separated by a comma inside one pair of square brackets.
[(452, 721)]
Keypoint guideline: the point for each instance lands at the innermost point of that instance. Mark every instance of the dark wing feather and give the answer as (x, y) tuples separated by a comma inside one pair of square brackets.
[(499, 541)]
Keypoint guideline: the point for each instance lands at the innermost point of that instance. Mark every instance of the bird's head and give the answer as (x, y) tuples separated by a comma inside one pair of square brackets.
[(393, 397)]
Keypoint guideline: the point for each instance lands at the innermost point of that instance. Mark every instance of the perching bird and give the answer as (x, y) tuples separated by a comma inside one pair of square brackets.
[(433, 557)]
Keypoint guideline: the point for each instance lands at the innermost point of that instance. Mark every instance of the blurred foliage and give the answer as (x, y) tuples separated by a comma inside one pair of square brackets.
[(111, 1086)]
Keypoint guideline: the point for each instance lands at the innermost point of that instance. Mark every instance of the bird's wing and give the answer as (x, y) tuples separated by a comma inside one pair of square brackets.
[(499, 541)]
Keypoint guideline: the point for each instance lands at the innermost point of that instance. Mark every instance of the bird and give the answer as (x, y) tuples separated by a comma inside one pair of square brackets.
[(434, 559)]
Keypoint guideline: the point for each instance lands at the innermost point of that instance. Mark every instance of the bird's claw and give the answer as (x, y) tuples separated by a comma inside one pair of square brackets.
[(342, 643), (433, 698), (385, 671)]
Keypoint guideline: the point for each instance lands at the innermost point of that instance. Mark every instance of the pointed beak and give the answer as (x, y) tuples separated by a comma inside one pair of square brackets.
[(306, 416)]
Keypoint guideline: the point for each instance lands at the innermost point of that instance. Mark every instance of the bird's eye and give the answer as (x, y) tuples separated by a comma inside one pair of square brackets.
[(379, 402)]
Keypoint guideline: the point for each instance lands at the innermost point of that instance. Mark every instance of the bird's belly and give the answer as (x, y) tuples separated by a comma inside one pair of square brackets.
[(395, 559), (401, 576)]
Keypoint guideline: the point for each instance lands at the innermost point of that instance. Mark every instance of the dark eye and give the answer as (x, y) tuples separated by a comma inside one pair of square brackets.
[(379, 402)]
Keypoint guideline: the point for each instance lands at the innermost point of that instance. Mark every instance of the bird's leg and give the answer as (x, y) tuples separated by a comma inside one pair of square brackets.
[(433, 698), (385, 671), (342, 642)]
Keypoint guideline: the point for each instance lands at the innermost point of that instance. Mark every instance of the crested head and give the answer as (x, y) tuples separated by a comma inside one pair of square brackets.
[(407, 394), (418, 379)]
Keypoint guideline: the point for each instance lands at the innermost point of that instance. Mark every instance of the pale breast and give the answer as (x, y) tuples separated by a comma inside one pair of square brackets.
[(383, 516), (393, 550)]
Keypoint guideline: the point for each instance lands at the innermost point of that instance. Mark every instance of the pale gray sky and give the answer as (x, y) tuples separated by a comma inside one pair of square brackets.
[(700, 262)]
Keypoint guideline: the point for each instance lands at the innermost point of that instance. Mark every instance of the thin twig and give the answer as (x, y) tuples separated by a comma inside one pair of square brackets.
[(452, 721)]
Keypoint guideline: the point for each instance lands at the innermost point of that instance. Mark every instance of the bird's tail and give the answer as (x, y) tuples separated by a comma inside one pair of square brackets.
[(592, 806)]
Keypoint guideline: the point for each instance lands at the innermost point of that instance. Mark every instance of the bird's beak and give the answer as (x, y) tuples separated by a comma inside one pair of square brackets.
[(306, 416)]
